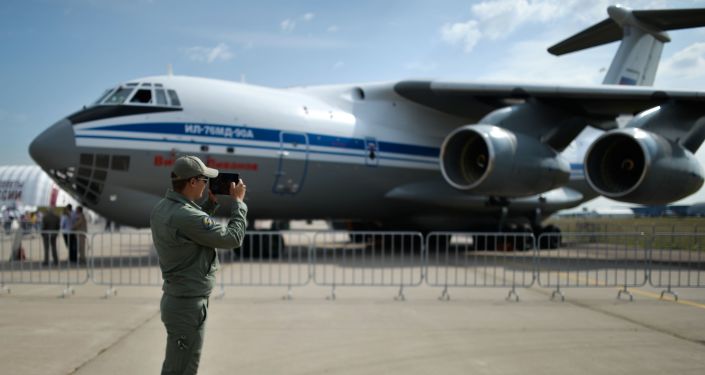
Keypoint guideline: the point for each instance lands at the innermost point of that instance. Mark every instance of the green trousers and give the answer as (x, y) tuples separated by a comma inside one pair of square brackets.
[(184, 319)]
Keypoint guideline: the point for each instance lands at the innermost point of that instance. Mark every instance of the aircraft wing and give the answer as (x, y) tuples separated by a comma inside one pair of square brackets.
[(596, 104)]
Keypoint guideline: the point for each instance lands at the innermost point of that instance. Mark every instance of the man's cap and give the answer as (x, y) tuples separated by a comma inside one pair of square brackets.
[(191, 166)]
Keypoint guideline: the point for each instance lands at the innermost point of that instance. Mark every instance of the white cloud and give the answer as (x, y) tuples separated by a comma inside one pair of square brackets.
[(684, 66), (466, 34), (308, 17), (338, 65), (210, 54), (333, 29), (497, 19), (288, 25), (529, 62)]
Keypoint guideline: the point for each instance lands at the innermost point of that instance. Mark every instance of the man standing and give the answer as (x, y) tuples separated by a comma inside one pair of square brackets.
[(80, 227), (50, 229), (185, 237)]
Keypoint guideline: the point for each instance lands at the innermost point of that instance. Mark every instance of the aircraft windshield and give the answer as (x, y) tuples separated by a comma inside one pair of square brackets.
[(140, 94)]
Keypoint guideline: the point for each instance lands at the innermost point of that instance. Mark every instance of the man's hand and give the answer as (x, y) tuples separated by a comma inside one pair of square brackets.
[(238, 191), (211, 197)]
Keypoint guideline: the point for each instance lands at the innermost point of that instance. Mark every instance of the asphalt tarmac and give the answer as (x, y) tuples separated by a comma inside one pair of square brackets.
[(364, 331)]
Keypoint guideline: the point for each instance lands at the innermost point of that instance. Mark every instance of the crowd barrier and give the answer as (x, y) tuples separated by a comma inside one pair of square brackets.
[(593, 260), (124, 259), (401, 260), (26, 259), (677, 261), (383, 259), (479, 260), (266, 259)]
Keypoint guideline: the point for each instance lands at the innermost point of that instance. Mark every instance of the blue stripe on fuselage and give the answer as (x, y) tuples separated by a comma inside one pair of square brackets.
[(266, 135)]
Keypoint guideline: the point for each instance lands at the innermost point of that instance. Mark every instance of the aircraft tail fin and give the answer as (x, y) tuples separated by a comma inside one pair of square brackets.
[(642, 33)]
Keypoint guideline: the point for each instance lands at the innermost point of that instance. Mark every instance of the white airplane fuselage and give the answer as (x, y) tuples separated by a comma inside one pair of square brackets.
[(335, 152)]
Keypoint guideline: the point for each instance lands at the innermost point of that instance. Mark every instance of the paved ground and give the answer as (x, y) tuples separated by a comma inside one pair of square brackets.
[(364, 331)]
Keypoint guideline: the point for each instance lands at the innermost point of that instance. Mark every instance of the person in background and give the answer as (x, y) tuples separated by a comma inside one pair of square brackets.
[(66, 228), (50, 229), (80, 227)]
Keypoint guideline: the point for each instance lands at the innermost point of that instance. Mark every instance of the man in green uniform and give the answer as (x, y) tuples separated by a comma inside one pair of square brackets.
[(185, 237)]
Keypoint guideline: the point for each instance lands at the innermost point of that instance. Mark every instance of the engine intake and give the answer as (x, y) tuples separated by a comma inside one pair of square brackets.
[(637, 166), (487, 159)]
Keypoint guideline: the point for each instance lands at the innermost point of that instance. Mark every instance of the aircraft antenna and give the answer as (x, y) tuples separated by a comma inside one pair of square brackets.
[(169, 70)]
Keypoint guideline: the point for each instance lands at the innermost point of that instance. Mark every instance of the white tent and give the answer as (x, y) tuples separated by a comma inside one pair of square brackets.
[(26, 187)]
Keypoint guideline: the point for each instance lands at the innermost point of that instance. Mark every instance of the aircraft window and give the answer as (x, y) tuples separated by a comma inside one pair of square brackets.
[(101, 161), (133, 84), (99, 175), (120, 163), (161, 97), (142, 96), (87, 159), (119, 96), (84, 172), (174, 99), (102, 97), (158, 85), (92, 198), (147, 84), (96, 187)]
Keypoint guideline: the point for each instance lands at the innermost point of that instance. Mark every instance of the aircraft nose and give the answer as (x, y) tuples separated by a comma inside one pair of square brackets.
[(53, 148)]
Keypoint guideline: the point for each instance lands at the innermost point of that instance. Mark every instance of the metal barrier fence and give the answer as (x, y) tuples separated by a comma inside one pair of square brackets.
[(592, 260), (124, 259), (267, 259), (677, 261), (389, 259), (480, 260), (384, 259), (29, 258)]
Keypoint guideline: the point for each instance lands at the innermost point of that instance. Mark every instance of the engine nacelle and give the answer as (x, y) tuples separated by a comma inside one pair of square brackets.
[(637, 166), (487, 159)]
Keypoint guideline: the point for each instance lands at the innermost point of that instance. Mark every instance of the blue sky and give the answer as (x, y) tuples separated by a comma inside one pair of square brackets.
[(60, 55)]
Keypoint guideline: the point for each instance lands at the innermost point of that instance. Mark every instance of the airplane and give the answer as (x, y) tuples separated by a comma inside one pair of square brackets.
[(422, 155)]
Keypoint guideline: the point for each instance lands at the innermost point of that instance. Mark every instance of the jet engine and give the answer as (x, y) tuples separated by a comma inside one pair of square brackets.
[(638, 166), (487, 159)]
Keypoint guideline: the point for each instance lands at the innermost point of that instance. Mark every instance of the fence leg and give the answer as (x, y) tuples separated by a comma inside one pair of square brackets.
[(513, 292), (625, 291), (667, 291), (221, 292), (111, 291), (400, 296), (5, 287), (445, 296), (331, 297), (289, 294), (557, 292), (67, 291)]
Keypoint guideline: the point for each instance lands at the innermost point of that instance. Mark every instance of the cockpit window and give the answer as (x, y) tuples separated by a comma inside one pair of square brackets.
[(119, 96), (174, 99), (102, 97), (154, 94), (142, 96), (161, 97)]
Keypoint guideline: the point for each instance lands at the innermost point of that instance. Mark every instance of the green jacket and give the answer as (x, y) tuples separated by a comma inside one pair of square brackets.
[(186, 237)]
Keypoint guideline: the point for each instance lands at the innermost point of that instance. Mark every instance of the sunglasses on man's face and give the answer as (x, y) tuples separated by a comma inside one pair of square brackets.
[(202, 178)]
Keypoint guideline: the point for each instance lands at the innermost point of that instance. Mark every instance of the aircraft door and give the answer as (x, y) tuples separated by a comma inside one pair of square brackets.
[(371, 152), (293, 162)]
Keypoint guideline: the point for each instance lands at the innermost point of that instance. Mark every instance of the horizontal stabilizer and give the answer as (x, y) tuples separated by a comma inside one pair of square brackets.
[(609, 30), (604, 32)]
